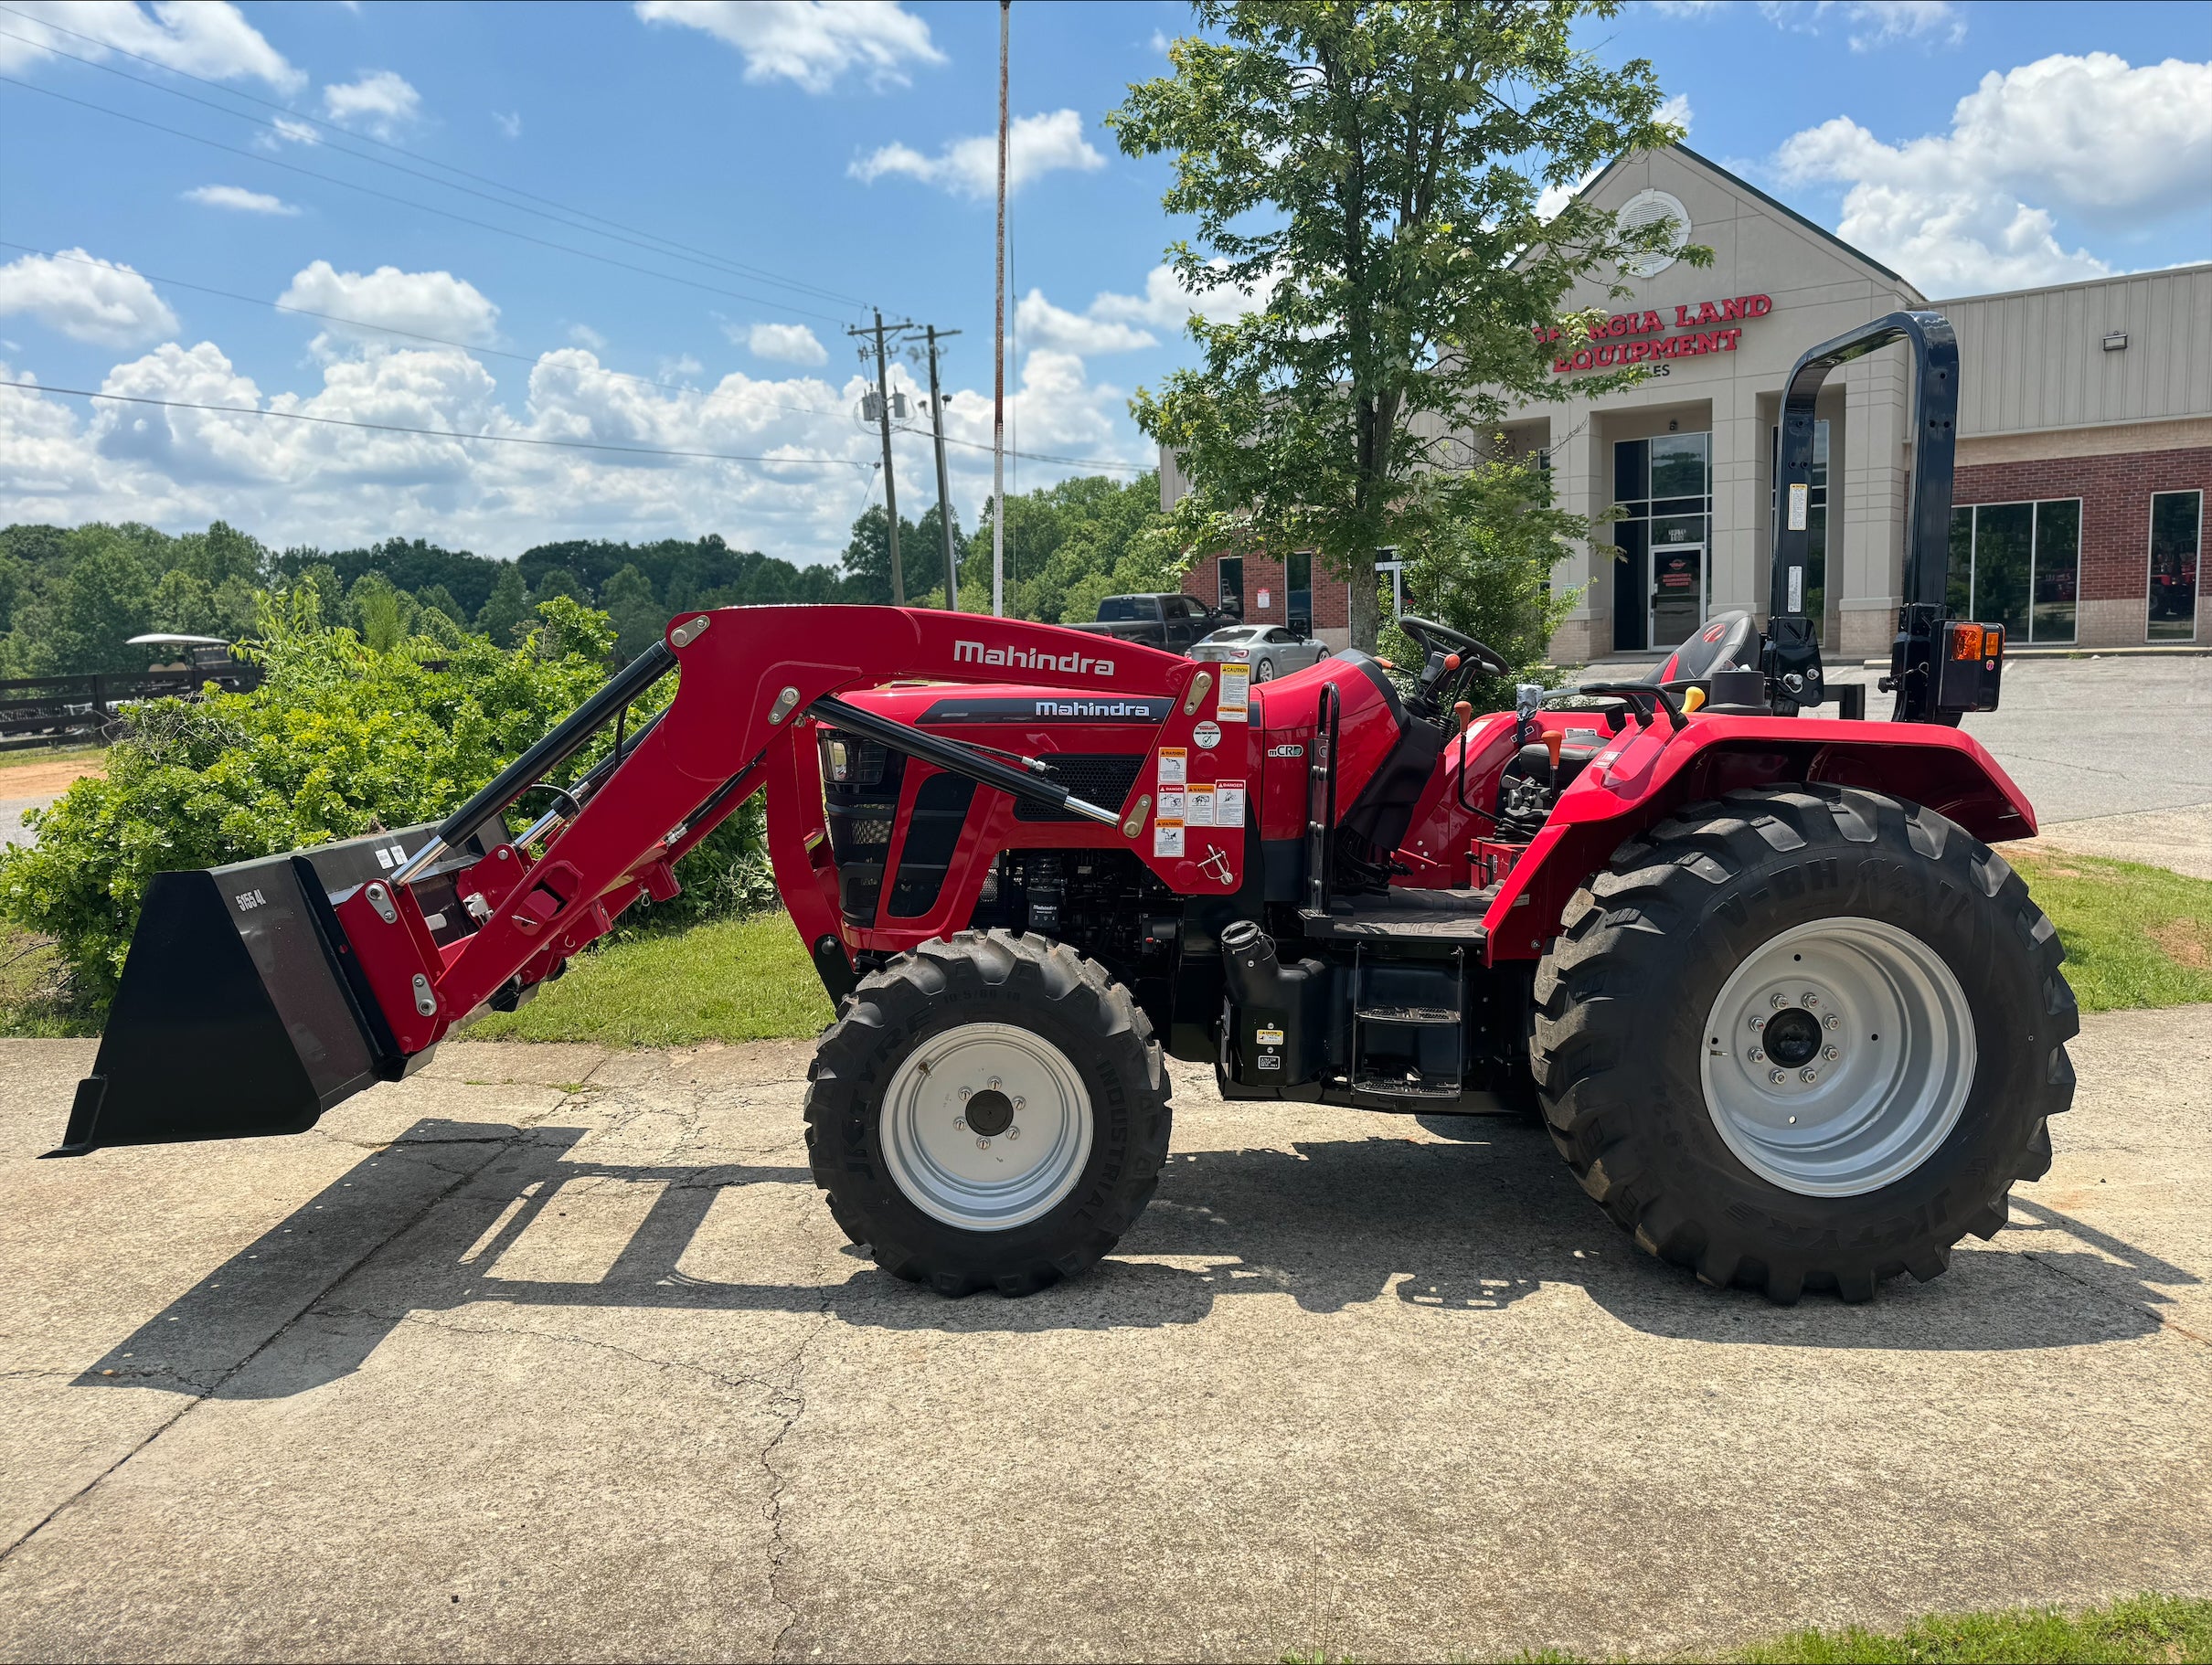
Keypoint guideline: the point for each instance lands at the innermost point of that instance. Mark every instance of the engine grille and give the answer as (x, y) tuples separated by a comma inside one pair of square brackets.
[(1100, 778)]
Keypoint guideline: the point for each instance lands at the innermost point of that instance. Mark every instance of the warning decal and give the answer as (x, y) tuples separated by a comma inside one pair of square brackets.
[(1201, 811), (1235, 701), (1174, 765), (1228, 804), (1167, 838)]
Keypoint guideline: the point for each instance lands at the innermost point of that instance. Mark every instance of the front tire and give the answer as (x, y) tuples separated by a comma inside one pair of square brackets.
[(1805, 1038), (988, 1110), (1264, 671)]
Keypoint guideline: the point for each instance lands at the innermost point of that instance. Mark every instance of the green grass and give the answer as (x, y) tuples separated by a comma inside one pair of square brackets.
[(735, 979), (2141, 1628), (35, 1002), (2136, 1630), (2135, 936), (22, 757)]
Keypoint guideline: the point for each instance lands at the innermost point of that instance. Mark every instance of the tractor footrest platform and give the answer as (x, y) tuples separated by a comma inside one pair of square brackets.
[(1442, 919), (1405, 1087)]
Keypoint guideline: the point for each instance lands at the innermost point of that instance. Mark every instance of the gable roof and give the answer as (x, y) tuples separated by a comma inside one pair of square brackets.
[(1783, 209)]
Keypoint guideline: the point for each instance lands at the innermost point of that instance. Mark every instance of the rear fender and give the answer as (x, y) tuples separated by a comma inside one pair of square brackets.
[(1653, 772)]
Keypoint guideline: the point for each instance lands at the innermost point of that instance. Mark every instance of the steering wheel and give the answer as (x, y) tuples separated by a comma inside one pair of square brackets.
[(1440, 642)]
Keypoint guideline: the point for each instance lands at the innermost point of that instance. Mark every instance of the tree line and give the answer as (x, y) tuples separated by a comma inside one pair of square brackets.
[(70, 597)]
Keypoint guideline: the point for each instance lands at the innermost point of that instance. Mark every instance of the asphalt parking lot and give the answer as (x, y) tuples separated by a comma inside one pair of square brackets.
[(548, 1353)]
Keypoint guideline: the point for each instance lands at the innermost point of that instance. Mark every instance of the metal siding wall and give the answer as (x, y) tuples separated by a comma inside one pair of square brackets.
[(2037, 360)]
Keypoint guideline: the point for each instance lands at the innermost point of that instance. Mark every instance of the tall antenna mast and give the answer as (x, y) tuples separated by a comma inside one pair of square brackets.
[(998, 394)]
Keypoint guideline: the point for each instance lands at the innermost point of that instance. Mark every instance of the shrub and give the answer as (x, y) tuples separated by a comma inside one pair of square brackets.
[(339, 739)]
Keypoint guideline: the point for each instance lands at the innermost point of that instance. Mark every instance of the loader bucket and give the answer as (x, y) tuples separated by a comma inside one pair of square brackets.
[(237, 1015)]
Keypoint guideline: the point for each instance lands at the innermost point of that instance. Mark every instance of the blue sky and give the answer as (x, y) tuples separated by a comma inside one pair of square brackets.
[(817, 160)]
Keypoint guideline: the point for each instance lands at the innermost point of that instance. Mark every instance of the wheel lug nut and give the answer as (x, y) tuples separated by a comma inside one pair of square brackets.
[(1811, 999), (1014, 1132), (1779, 1002), (1757, 1057), (1776, 1077), (981, 1143), (1019, 1103), (960, 1124), (1831, 1053), (995, 1084), (1759, 1023), (1832, 1022), (966, 1091), (1808, 1076)]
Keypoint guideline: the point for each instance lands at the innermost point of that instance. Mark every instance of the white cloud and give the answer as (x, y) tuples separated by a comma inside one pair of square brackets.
[(1166, 305), (785, 344), (1160, 42), (287, 128), (1040, 323), (510, 125), (808, 41), (1877, 23), (380, 103), (238, 199), (85, 299), (584, 336), (1973, 209), (205, 38), (424, 303), (1036, 146)]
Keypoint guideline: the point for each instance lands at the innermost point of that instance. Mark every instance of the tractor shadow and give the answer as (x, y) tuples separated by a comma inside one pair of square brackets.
[(1472, 1223)]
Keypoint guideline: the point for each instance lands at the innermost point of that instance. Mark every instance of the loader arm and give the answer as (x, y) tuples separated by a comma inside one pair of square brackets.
[(752, 684)]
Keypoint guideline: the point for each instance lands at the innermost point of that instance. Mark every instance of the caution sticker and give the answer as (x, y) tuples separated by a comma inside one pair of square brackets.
[(1174, 765), (1167, 838), (1235, 701), (1228, 804), (1200, 812)]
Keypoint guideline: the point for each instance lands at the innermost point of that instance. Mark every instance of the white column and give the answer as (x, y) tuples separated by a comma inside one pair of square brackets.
[(1733, 551), (1581, 484), (1872, 545)]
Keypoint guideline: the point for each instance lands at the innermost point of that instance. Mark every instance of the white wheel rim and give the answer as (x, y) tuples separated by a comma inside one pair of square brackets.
[(1029, 1143), (1838, 1057)]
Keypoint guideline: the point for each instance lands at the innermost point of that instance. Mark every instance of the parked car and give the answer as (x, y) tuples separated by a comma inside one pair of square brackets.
[(1272, 649), (1176, 622)]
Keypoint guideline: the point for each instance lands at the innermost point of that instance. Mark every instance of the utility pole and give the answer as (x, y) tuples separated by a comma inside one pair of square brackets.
[(998, 380), (883, 421), (944, 490)]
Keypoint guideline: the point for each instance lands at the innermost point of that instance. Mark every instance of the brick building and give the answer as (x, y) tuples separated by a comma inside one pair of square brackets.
[(2084, 456)]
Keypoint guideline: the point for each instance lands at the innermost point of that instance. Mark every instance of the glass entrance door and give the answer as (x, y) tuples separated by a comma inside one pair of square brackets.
[(1677, 593)]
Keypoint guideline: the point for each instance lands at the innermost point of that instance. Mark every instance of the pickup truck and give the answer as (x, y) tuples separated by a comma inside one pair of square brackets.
[(1176, 622)]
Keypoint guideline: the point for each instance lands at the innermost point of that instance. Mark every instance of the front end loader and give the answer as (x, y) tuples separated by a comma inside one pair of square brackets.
[(1785, 1012)]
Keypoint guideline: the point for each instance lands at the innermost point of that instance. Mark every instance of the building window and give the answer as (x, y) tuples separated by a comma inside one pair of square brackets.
[(1664, 485), (1298, 589), (2018, 565), (1230, 597), (1816, 524), (2178, 521)]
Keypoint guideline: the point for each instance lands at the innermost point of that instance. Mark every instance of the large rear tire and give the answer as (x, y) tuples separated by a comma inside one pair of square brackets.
[(990, 1111), (1805, 1038)]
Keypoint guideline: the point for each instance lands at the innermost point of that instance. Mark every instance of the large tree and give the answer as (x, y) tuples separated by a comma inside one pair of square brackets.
[(1373, 170)]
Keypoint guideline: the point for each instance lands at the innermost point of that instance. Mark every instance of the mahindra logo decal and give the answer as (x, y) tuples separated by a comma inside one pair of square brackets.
[(1029, 659), (1095, 708)]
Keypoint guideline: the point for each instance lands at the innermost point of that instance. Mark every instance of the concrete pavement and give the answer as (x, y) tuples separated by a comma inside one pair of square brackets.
[(553, 1353)]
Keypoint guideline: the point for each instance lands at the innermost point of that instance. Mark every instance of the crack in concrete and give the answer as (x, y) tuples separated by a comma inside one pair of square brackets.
[(203, 1393), (2149, 1312), (779, 1548)]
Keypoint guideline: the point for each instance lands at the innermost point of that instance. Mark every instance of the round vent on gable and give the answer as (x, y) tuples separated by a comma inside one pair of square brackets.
[(1645, 208)]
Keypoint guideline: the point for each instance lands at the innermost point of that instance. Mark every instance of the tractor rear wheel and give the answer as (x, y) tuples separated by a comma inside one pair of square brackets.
[(988, 1110), (1805, 1038)]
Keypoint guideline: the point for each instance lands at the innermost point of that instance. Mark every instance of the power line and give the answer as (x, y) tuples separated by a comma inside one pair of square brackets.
[(664, 248), (1033, 456), (435, 433), (736, 266), (386, 329), (481, 225)]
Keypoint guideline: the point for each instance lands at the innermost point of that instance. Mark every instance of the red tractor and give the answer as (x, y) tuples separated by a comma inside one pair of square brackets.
[(1789, 1018)]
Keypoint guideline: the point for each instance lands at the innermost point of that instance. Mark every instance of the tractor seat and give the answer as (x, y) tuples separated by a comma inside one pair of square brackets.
[(1729, 642)]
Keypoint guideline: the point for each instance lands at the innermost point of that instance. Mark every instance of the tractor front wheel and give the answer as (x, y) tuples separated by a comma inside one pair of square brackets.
[(990, 1111), (1805, 1038)]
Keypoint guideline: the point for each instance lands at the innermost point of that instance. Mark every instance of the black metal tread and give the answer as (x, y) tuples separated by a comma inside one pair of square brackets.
[(1430, 916), (1398, 1087), (1438, 1017)]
